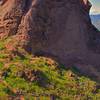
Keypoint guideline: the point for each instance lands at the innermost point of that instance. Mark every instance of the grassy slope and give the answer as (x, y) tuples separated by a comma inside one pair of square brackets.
[(25, 77)]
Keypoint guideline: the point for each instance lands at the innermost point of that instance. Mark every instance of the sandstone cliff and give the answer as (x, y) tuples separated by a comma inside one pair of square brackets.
[(60, 29)]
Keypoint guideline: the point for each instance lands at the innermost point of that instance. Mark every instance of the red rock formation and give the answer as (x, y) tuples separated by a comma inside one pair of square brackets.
[(58, 28)]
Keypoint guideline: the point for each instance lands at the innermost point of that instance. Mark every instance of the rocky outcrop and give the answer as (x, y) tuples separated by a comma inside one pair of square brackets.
[(60, 29)]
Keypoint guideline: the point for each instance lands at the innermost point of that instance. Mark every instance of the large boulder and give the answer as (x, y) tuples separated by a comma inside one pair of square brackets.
[(61, 29)]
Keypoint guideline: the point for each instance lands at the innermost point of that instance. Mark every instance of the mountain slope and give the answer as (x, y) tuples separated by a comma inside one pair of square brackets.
[(24, 77), (34, 31)]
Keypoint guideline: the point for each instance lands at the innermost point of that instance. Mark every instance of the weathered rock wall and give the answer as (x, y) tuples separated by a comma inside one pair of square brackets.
[(57, 28)]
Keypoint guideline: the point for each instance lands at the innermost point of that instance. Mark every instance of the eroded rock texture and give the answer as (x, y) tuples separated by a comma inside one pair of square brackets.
[(57, 28)]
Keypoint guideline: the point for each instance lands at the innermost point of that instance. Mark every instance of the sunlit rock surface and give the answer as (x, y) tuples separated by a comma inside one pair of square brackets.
[(60, 29)]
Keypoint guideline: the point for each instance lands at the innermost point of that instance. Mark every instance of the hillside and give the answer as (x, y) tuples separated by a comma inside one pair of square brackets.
[(49, 50), (25, 77)]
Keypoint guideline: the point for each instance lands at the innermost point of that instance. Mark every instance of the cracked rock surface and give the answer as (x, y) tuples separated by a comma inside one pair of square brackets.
[(61, 29)]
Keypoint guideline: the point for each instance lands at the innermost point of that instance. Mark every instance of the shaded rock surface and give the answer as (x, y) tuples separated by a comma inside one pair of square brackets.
[(61, 29)]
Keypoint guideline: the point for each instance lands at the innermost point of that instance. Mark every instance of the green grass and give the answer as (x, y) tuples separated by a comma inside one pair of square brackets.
[(41, 77)]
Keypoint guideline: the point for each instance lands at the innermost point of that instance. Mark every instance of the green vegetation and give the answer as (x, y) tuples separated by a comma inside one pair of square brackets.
[(24, 77)]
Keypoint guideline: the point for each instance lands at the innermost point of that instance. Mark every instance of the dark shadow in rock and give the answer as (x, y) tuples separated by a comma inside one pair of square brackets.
[(71, 66)]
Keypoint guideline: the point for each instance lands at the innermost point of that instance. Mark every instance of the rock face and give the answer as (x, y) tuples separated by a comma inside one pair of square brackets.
[(60, 29)]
